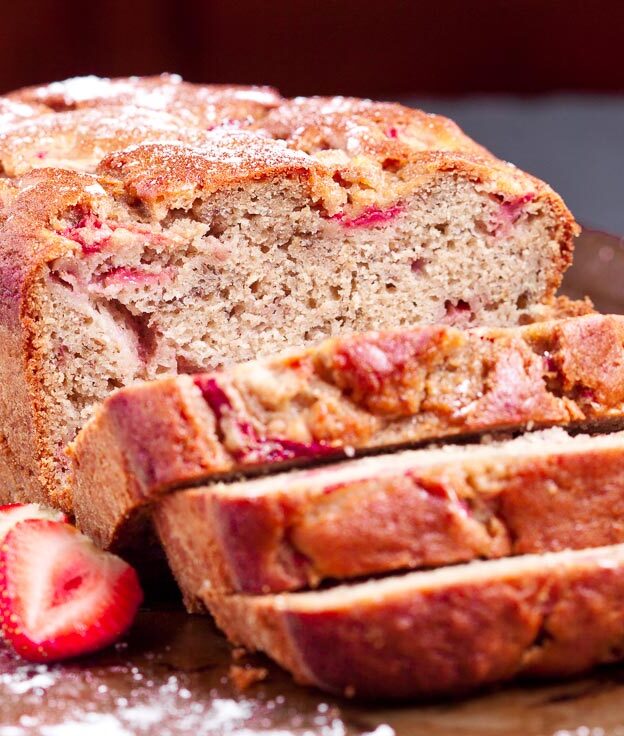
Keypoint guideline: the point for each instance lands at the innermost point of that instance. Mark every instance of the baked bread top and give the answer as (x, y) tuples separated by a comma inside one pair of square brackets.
[(374, 144), (210, 103)]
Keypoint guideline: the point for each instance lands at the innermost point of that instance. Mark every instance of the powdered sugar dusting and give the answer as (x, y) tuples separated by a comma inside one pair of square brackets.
[(95, 189), (167, 92), (81, 138), (81, 89), (12, 111), (364, 128), (170, 678), (156, 170)]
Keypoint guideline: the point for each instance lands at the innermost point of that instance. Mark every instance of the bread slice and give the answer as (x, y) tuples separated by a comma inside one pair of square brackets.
[(442, 632), (352, 394), (177, 258), (542, 492)]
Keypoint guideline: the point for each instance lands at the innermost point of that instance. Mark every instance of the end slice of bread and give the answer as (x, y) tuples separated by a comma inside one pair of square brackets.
[(442, 632)]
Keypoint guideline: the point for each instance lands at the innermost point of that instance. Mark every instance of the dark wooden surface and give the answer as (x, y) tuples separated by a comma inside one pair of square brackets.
[(361, 47), (171, 675)]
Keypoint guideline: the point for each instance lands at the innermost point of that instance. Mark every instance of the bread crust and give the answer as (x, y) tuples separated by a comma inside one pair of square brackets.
[(441, 633), (431, 508), (359, 393), (26, 247)]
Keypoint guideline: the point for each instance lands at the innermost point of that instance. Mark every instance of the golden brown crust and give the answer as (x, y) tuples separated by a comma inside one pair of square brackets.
[(176, 175), (366, 391), (295, 530), (357, 126), (442, 633)]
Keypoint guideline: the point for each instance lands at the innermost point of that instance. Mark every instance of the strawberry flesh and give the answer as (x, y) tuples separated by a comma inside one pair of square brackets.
[(371, 217), (13, 513), (60, 596)]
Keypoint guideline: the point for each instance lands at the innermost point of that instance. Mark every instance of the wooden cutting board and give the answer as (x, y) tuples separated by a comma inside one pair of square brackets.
[(173, 673), (171, 676)]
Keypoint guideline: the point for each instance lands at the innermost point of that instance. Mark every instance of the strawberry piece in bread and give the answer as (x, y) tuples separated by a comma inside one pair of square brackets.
[(60, 596)]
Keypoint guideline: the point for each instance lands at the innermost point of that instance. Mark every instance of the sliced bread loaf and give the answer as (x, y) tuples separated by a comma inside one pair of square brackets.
[(351, 394), (545, 491), (442, 632), (178, 258)]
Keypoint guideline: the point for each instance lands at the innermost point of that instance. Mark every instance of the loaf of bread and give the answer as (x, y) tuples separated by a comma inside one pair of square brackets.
[(150, 227), (542, 492), (349, 394), (288, 222), (441, 632)]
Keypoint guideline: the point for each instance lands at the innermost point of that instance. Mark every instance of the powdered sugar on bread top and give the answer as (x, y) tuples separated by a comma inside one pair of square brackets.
[(176, 174), (79, 139), (12, 111), (210, 103), (360, 126)]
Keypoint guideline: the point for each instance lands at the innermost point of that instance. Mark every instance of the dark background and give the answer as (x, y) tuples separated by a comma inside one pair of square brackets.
[(379, 48), (538, 81)]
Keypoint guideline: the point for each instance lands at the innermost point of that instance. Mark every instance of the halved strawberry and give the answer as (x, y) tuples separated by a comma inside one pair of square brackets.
[(60, 596), (13, 513)]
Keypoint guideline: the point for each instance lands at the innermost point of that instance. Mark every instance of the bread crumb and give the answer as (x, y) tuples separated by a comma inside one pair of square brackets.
[(247, 675)]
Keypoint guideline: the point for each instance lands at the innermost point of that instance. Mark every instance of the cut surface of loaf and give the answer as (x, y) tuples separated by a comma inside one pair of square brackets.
[(441, 632), (358, 393), (545, 491), (178, 257)]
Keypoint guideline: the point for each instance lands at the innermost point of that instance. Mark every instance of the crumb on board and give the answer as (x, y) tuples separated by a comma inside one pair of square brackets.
[(246, 675)]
